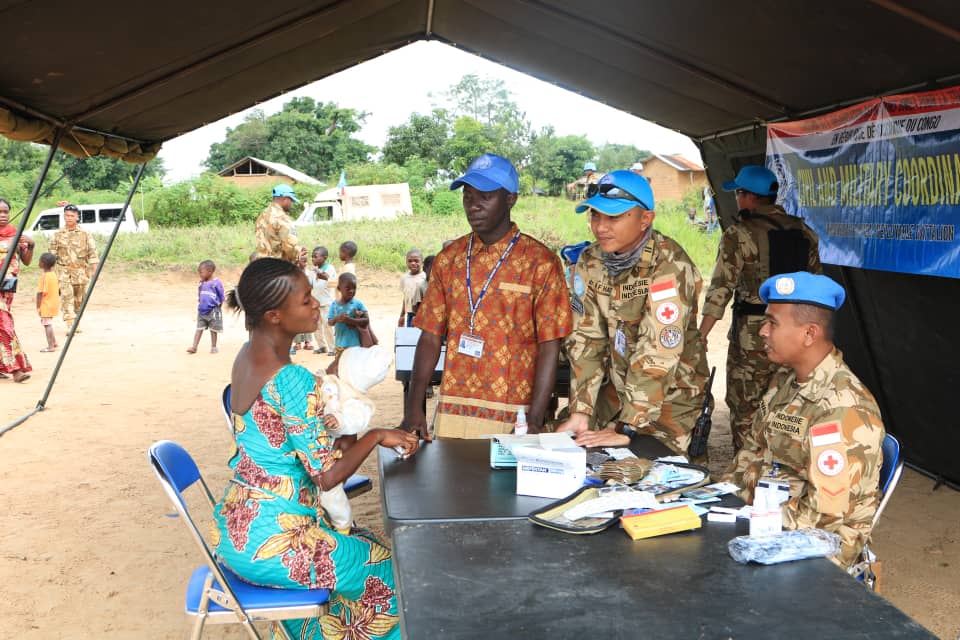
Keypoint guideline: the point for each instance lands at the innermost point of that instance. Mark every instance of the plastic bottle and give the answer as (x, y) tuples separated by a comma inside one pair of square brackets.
[(758, 513), (520, 428)]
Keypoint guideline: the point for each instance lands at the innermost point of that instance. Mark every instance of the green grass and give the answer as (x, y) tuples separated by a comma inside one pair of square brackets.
[(382, 244)]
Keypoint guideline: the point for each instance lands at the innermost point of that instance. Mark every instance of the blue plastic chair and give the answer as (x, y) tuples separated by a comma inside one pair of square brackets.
[(355, 485), (214, 593), (867, 569)]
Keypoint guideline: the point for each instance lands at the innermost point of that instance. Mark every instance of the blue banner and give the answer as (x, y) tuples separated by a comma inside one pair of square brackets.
[(879, 182)]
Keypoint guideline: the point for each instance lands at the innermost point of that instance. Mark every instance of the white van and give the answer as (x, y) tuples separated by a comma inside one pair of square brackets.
[(95, 218)]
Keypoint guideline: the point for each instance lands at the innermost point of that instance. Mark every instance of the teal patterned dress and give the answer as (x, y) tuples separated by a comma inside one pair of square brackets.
[(269, 529)]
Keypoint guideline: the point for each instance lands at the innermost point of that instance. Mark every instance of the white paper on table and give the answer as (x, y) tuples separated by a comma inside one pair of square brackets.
[(550, 473)]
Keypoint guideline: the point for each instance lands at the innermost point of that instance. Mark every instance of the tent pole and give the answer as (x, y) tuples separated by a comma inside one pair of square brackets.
[(23, 223), (33, 199), (42, 404)]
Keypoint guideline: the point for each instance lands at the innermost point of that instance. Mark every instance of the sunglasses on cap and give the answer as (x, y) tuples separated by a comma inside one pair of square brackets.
[(613, 192)]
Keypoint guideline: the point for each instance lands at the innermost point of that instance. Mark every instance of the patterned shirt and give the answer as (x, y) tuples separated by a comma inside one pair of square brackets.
[(660, 365), (276, 235), (824, 436), (526, 304), (76, 253)]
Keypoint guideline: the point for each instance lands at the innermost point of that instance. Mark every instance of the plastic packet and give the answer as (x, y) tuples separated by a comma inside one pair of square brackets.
[(784, 546)]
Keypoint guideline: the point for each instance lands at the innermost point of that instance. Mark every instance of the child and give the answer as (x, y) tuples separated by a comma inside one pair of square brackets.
[(348, 251), (302, 341), (410, 287), (209, 314), (324, 286), (347, 313), (48, 299)]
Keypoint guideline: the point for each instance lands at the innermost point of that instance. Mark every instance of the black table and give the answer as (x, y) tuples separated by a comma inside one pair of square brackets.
[(516, 580), (450, 480)]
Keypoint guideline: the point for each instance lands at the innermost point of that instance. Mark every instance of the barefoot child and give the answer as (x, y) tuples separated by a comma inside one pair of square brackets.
[(209, 314), (48, 299), (347, 313), (410, 287), (324, 290), (302, 341)]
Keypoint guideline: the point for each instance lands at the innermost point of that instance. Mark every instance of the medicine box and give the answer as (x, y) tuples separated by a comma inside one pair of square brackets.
[(658, 523)]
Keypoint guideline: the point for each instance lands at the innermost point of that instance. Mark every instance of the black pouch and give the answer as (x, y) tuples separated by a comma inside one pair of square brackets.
[(9, 285), (551, 516), (789, 250)]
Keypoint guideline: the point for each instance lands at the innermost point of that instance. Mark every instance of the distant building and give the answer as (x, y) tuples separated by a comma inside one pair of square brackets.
[(673, 175), (254, 172)]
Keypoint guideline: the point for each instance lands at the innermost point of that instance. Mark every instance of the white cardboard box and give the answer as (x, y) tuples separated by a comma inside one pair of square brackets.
[(550, 473)]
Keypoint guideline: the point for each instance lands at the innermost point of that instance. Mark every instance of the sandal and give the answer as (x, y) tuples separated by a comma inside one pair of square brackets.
[(214, 350), (48, 349), (20, 376)]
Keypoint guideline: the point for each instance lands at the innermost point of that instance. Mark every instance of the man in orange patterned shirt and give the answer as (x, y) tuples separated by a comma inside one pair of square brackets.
[(499, 298)]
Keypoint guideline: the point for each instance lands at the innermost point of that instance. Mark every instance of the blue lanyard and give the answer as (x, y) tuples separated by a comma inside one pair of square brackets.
[(483, 291)]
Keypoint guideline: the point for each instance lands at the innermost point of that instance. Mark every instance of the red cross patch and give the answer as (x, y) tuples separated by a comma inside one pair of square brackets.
[(667, 313), (830, 462)]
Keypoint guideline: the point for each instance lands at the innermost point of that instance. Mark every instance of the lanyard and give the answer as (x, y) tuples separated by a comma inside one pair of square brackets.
[(493, 272)]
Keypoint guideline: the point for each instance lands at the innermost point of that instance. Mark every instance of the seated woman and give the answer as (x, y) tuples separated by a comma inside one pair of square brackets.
[(269, 527)]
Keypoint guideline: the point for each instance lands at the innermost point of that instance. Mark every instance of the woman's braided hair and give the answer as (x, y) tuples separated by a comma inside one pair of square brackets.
[(263, 286)]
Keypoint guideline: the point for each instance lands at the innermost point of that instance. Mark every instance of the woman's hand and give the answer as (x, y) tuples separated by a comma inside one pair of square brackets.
[(576, 424), (603, 438), (399, 438)]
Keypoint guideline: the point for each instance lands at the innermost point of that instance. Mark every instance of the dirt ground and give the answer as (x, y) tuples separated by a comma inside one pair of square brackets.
[(89, 548)]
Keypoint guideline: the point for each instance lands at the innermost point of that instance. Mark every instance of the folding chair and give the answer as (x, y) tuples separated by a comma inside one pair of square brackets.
[(355, 485), (214, 593), (867, 570)]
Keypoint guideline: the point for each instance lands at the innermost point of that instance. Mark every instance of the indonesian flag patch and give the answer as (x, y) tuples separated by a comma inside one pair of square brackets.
[(663, 290), (824, 434)]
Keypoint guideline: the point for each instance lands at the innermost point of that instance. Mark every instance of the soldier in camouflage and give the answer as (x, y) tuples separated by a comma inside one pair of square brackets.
[(635, 307), (817, 427), (276, 235), (76, 259), (764, 242)]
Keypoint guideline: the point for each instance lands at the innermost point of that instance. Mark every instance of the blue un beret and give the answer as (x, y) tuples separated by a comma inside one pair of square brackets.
[(803, 288)]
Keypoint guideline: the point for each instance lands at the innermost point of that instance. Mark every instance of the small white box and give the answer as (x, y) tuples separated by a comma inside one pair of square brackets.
[(550, 473)]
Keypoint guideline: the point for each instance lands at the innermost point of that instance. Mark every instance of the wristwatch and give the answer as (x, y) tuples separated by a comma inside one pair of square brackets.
[(626, 429)]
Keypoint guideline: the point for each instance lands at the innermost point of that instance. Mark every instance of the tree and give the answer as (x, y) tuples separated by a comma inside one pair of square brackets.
[(611, 157), (470, 139), (99, 173), (488, 102), (421, 136), (313, 137), (556, 161)]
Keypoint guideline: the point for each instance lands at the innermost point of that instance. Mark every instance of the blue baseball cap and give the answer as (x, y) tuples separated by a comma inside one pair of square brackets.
[(755, 179), (571, 252), (803, 288), (618, 192), (284, 191), (489, 172), (590, 166)]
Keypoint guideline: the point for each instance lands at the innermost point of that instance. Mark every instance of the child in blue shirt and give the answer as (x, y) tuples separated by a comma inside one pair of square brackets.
[(209, 314), (347, 314)]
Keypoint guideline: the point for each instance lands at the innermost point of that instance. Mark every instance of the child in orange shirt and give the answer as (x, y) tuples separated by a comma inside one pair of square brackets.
[(48, 299)]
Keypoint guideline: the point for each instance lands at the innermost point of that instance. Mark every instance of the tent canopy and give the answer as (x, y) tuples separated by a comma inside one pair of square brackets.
[(124, 77), (148, 73)]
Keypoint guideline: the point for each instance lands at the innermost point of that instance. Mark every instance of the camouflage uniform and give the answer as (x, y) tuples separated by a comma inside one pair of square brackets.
[(743, 264), (824, 436), (660, 376), (276, 235), (76, 256)]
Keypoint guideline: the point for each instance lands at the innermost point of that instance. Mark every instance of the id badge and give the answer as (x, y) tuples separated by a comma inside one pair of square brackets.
[(470, 345), (620, 341)]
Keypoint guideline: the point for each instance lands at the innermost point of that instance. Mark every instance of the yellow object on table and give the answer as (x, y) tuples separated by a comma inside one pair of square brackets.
[(657, 523)]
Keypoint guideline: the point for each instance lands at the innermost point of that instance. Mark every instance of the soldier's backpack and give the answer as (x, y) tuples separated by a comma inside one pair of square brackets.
[(788, 249)]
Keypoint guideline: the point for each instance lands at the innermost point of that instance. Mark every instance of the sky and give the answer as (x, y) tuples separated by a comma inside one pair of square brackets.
[(399, 83)]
